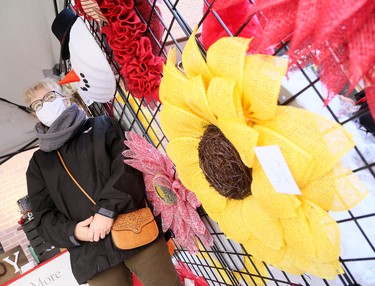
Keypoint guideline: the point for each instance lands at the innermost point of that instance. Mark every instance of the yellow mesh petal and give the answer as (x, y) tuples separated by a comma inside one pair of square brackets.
[(172, 83), (257, 218), (325, 232), (192, 60), (337, 140), (224, 100), (225, 58), (234, 225), (299, 161), (183, 152), (211, 200), (288, 264), (243, 138), (298, 236), (216, 216), (256, 267), (325, 270), (261, 86), (326, 237), (326, 140), (177, 122), (294, 265), (195, 97), (262, 252), (338, 190), (276, 204)]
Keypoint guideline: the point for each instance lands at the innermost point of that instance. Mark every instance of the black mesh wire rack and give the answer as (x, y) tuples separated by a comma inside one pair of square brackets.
[(222, 264)]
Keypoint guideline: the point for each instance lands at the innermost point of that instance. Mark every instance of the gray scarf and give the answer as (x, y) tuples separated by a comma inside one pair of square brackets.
[(62, 129)]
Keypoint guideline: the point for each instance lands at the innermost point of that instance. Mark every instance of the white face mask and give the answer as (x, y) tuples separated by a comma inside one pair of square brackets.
[(51, 111)]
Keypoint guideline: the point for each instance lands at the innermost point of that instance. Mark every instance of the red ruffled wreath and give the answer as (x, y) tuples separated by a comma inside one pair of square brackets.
[(132, 49), (337, 35)]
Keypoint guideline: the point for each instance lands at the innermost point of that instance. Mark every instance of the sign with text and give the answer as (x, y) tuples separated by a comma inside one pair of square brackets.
[(53, 272), (277, 171), (11, 262)]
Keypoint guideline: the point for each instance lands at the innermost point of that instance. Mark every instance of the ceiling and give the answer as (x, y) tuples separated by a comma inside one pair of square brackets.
[(29, 51)]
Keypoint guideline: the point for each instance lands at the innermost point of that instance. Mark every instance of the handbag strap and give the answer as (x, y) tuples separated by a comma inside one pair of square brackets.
[(74, 180)]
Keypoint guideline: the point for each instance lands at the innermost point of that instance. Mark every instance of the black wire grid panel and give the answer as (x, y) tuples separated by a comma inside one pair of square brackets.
[(223, 263)]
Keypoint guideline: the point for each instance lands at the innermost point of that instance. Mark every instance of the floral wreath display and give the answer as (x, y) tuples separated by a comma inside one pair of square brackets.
[(125, 33), (337, 35), (176, 204), (214, 114)]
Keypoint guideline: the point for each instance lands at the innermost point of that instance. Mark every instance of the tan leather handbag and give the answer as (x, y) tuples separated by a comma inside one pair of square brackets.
[(129, 230)]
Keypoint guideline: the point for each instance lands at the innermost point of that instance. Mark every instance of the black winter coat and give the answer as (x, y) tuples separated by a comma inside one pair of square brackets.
[(94, 158)]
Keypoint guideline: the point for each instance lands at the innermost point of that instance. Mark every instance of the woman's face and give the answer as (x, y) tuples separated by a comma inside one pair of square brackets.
[(48, 105), (43, 95)]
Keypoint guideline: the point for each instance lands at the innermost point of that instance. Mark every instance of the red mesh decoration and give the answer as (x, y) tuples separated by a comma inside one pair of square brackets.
[(307, 17), (132, 48), (233, 13), (337, 35), (280, 21), (362, 54)]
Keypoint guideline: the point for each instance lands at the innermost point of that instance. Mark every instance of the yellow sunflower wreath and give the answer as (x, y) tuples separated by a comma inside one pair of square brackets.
[(214, 114)]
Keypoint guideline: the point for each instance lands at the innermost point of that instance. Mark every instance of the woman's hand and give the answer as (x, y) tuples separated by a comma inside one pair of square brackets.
[(81, 229), (99, 227)]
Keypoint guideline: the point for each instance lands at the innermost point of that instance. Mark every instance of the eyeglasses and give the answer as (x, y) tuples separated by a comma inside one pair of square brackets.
[(48, 97)]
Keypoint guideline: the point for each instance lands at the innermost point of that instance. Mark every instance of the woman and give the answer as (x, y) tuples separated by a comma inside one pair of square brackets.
[(64, 216)]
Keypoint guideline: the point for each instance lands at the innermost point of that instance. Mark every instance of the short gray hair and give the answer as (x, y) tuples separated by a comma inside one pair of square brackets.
[(47, 83)]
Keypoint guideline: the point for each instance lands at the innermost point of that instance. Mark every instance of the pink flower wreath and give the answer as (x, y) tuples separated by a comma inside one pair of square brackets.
[(125, 34), (171, 200)]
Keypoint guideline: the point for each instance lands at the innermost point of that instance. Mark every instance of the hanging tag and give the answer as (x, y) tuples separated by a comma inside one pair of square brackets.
[(188, 282), (276, 169)]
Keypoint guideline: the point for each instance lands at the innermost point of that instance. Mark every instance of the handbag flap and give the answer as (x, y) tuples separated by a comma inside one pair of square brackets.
[(133, 221)]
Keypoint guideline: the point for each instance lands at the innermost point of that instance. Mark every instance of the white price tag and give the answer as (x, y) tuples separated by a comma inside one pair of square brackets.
[(276, 169), (188, 282)]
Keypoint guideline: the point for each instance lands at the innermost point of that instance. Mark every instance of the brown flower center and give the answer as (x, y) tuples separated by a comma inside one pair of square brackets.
[(222, 165)]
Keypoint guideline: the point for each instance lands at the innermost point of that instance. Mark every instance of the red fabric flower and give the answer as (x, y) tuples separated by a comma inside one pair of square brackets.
[(337, 35)]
